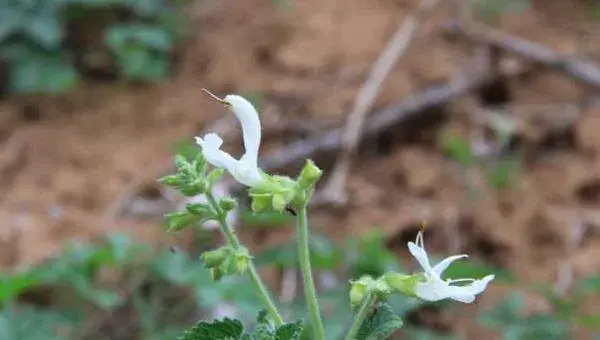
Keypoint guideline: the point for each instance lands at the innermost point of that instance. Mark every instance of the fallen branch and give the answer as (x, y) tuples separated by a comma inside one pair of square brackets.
[(334, 190), (582, 69), (380, 121)]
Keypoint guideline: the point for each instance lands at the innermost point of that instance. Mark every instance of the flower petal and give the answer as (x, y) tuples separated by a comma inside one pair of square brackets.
[(442, 265), (421, 256), (479, 286), (251, 129), (214, 155)]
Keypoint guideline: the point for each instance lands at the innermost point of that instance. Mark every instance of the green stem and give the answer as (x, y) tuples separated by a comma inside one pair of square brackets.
[(367, 302), (309, 284), (233, 240)]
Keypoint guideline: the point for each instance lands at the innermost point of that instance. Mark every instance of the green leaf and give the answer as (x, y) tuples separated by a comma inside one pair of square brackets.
[(369, 255), (290, 331), (503, 173), (458, 148), (226, 329), (380, 325), (33, 323), (37, 71), (151, 37), (47, 31)]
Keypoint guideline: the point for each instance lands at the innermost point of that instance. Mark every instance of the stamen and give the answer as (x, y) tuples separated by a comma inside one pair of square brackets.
[(220, 100)]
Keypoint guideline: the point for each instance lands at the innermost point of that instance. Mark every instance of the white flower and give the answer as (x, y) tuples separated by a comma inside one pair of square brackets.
[(434, 288), (245, 170)]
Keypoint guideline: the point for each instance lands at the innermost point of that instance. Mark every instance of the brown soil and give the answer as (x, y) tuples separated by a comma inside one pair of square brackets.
[(65, 161)]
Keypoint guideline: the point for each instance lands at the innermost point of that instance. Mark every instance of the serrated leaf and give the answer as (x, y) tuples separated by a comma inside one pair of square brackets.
[(380, 325), (226, 329), (290, 331)]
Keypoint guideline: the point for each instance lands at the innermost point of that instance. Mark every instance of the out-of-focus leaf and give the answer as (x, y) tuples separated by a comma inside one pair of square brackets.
[(368, 255), (29, 323), (458, 148), (379, 325), (266, 219)]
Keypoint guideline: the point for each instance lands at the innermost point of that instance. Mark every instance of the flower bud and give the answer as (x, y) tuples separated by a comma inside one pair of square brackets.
[(402, 283), (227, 204), (178, 221), (214, 258), (261, 202), (170, 180), (359, 289), (310, 175)]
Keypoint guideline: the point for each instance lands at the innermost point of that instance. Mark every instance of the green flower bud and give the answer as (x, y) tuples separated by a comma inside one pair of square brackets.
[(278, 202), (201, 210), (242, 258), (227, 204), (310, 175), (402, 283), (178, 221), (170, 180), (359, 289), (214, 258), (195, 188), (261, 202)]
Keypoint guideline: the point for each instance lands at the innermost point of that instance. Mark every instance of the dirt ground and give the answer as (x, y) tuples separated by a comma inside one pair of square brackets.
[(66, 163)]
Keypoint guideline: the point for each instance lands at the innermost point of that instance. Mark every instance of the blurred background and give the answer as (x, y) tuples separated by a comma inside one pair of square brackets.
[(480, 117)]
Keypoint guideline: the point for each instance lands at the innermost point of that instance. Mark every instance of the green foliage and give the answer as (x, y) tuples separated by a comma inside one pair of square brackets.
[(491, 10), (458, 148), (380, 324), (499, 173), (141, 50), (29, 323), (229, 329), (33, 39), (368, 255), (324, 254), (509, 319)]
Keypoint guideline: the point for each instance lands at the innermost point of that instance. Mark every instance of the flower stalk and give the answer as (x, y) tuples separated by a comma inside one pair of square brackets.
[(305, 267), (234, 242), (367, 302)]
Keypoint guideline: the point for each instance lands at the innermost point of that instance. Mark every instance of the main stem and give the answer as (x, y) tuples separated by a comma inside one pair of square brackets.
[(233, 240), (368, 300), (309, 284)]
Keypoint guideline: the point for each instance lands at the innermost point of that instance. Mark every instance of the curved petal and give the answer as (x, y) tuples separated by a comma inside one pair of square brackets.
[(442, 265), (479, 286), (251, 129), (214, 155), (246, 173), (421, 256)]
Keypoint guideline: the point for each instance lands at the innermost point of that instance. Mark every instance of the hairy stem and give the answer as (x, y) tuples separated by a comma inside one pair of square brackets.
[(309, 284), (233, 240), (367, 302)]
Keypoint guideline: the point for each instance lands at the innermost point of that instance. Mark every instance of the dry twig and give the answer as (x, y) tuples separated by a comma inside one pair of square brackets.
[(334, 190), (582, 69)]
